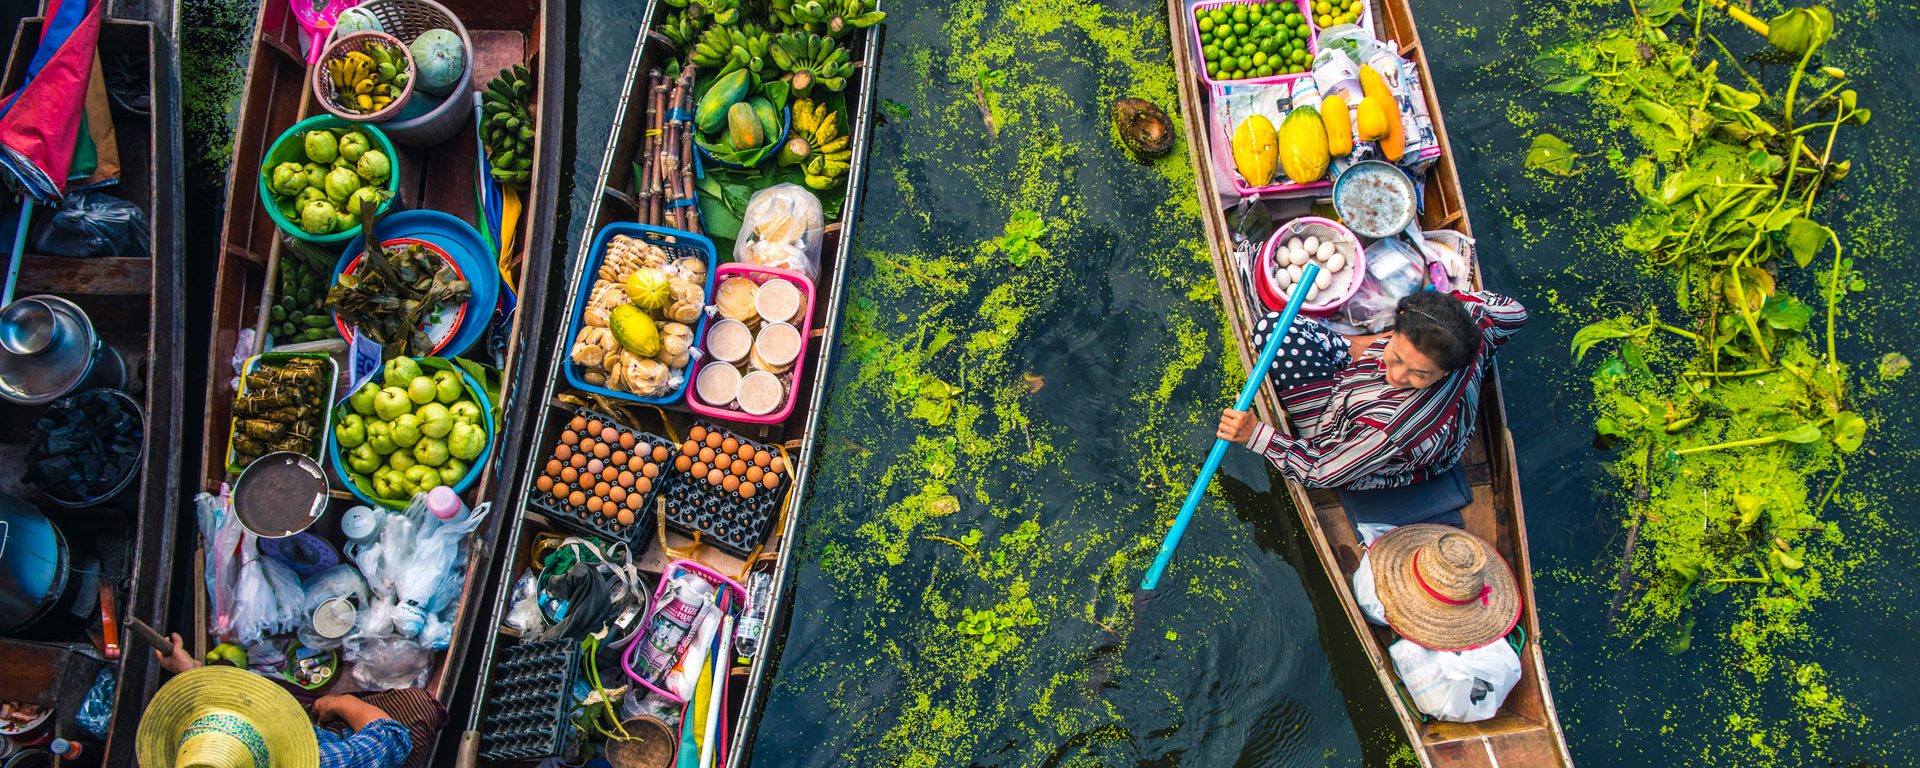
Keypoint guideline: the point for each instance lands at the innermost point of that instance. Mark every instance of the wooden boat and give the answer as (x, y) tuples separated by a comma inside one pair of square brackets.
[(438, 178), (135, 305), (1526, 732), (613, 203)]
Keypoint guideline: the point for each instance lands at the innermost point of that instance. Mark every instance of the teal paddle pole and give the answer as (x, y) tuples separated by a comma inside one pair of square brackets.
[(1254, 378)]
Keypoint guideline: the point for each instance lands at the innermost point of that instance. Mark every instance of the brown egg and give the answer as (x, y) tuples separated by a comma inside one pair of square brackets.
[(594, 466), (625, 517), (682, 463), (601, 488), (634, 500), (715, 476), (747, 490), (625, 479), (593, 426), (610, 474), (729, 445), (650, 470), (699, 469), (746, 451), (570, 437), (754, 474), (545, 484), (576, 498), (730, 483), (690, 448), (578, 423), (713, 439), (698, 433), (640, 486), (627, 441), (601, 451), (579, 460), (706, 455), (659, 453), (618, 458), (739, 467), (609, 435), (771, 481), (617, 495), (586, 445), (777, 464), (554, 466), (569, 475), (610, 510), (560, 491), (563, 452), (636, 463), (762, 458), (593, 504)]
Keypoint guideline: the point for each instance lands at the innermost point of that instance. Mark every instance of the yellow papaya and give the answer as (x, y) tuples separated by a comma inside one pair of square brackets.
[(1255, 151), (1333, 110), (1371, 121), (1303, 145), (743, 127), (1394, 143)]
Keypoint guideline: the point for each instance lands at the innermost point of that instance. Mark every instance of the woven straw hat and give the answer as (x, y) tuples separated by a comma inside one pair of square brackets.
[(1444, 588), (223, 717)]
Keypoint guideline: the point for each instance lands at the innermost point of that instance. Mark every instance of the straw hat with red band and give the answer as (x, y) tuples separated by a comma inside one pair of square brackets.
[(1444, 588)]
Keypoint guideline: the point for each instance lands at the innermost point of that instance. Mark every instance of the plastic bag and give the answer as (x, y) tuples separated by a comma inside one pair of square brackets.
[(1394, 270), (385, 662), (1366, 595), (96, 712), (91, 224), (431, 576), (339, 582), (782, 228), (220, 534), (1458, 686)]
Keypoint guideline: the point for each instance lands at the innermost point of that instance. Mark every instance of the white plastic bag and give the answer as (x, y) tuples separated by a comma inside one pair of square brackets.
[(220, 535), (431, 576), (1457, 686), (342, 581), (782, 228), (1366, 595)]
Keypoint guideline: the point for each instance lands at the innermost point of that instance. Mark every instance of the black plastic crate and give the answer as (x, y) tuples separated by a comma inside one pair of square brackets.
[(720, 516), (529, 700), (581, 518)]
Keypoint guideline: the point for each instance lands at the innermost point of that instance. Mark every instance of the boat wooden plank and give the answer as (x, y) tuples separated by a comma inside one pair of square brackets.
[(99, 276)]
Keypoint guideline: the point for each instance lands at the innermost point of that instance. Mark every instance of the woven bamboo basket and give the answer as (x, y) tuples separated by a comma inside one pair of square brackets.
[(329, 94), (406, 20)]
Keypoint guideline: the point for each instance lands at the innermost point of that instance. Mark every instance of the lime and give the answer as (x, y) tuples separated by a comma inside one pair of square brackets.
[(1206, 25), (1269, 45), (1239, 13), (1237, 75), (1297, 56), (1322, 7), (1259, 60)]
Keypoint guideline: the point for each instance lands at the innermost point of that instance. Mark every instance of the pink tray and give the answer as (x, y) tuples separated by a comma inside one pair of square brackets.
[(1193, 24), (759, 274), (737, 593), (1222, 153)]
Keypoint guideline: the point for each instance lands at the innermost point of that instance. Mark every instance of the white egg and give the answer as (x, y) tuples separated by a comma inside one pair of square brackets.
[(1337, 262), (1294, 272), (1294, 244), (1296, 258), (1313, 293), (1326, 251), (1323, 280), (1283, 279), (1313, 244)]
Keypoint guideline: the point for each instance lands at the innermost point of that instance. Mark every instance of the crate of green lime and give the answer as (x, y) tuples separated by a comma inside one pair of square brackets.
[(320, 172), (1241, 41), (425, 423)]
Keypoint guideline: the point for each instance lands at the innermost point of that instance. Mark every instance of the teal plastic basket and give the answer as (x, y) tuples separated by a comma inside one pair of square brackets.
[(291, 147)]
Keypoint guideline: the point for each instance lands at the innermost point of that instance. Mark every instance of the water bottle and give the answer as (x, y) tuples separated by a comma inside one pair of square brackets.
[(746, 638)]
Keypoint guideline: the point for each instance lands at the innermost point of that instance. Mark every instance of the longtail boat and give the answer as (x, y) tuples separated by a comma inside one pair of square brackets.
[(620, 198), (1526, 731), (439, 177), (134, 303)]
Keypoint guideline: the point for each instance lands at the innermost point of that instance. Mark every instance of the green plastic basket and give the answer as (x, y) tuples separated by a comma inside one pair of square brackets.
[(291, 147)]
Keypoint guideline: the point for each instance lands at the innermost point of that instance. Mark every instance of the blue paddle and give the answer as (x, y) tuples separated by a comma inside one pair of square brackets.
[(1254, 378)]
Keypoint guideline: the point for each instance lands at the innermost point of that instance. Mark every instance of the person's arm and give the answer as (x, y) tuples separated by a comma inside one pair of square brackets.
[(378, 741), (1325, 462), (1499, 317), (176, 660), (347, 709), (1357, 345)]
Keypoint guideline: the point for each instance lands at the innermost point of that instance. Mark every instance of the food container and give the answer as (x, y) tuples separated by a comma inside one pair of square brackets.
[(678, 245), (1220, 146), (48, 348), (779, 301), (90, 403), (1376, 199), (1200, 63), (326, 91), (442, 331), (1274, 297), (309, 668), (788, 373), (406, 19), (362, 487), (472, 257), (326, 418), (775, 347), (632, 484), (291, 147), (717, 384), (674, 570), (729, 341), (280, 494)]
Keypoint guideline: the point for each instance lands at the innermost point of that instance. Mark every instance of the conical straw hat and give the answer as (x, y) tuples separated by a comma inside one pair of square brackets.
[(222, 717), (1444, 588)]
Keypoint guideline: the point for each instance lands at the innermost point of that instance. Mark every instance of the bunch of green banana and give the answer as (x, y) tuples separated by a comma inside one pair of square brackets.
[(808, 58), (834, 18), (817, 146), (746, 45), (720, 11), (300, 313), (506, 125), (681, 28)]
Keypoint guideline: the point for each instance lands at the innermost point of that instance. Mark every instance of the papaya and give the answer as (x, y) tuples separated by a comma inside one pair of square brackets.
[(743, 127), (1303, 145), (725, 92), (769, 117), (634, 330), (1394, 143), (1371, 120), (1333, 110), (1255, 152)]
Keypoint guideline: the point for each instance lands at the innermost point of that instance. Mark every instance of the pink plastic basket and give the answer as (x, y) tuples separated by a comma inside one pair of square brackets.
[(1222, 152), (1275, 299), (737, 593), (1193, 25), (759, 274)]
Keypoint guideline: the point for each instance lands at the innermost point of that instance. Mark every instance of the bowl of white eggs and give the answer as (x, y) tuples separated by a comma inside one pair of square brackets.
[(1310, 240)]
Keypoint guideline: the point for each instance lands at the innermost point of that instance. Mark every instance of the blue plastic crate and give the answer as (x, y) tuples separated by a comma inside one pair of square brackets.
[(679, 245)]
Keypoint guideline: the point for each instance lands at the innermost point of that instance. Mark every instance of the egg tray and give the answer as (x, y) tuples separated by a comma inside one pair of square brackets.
[(639, 536), (723, 520), (528, 702)]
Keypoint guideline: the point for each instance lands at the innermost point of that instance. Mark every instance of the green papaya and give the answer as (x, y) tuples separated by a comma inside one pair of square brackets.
[(725, 92), (769, 117), (743, 128)]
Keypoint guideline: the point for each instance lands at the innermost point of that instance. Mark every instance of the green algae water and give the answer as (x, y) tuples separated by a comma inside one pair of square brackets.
[(1032, 359)]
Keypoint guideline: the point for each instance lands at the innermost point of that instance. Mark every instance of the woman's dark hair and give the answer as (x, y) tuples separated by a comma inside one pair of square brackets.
[(1438, 325)]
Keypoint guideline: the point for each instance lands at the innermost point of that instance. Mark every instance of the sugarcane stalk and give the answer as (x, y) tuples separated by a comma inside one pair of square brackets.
[(646, 192)]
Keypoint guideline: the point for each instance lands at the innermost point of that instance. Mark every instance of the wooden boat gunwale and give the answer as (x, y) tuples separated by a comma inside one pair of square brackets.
[(1438, 745), (544, 51)]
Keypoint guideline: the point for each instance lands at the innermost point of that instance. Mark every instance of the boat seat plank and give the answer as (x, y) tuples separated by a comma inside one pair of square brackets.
[(103, 276)]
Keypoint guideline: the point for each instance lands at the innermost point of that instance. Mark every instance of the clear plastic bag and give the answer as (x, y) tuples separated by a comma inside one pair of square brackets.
[(339, 582), (431, 576), (782, 228), (220, 534), (96, 712), (89, 224), (1394, 270), (267, 596), (385, 662)]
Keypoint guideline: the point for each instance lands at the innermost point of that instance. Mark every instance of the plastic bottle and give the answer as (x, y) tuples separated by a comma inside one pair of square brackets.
[(65, 749), (445, 505), (671, 629), (746, 638)]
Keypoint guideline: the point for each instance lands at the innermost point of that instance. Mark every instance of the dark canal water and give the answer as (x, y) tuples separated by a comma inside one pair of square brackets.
[(1086, 380)]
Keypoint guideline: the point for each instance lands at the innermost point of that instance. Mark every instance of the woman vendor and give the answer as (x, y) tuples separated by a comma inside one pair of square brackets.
[(1384, 411)]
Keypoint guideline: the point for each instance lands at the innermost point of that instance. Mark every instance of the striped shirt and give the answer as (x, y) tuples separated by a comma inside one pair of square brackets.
[(1360, 432)]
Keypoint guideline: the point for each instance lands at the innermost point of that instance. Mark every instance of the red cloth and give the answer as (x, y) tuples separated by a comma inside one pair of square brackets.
[(42, 119)]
